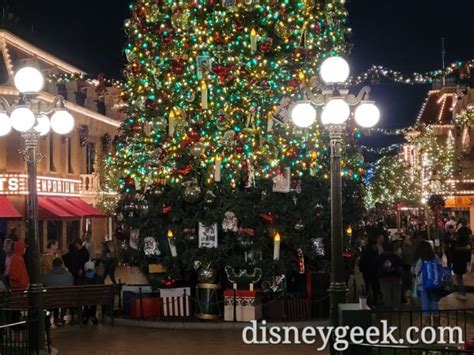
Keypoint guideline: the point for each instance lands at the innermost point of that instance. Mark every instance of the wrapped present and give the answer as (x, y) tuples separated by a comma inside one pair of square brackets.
[(242, 305), (176, 302), (129, 292), (146, 307)]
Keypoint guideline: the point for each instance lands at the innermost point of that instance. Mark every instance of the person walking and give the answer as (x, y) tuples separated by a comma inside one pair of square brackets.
[(429, 299), (17, 274), (449, 245), (389, 270), (52, 249), (461, 256), (368, 268)]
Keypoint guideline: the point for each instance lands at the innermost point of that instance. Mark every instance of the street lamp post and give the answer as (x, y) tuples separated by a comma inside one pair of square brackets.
[(27, 116), (335, 101)]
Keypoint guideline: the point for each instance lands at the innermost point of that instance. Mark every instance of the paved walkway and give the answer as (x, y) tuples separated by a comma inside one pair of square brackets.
[(107, 340)]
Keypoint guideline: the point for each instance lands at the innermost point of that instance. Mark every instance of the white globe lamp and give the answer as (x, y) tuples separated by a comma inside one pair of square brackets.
[(62, 122), (29, 80), (5, 124), (336, 111), (22, 119), (335, 70), (43, 125), (303, 114), (367, 114)]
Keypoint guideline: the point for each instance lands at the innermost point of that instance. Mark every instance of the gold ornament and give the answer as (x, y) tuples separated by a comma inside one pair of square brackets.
[(282, 30), (180, 19)]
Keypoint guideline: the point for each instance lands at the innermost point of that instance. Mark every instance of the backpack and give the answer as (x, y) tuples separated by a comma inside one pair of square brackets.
[(436, 277)]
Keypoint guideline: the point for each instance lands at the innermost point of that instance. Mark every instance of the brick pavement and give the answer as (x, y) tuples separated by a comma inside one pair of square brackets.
[(107, 340)]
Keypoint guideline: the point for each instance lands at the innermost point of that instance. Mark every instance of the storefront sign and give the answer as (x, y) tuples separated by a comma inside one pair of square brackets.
[(17, 184), (460, 202)]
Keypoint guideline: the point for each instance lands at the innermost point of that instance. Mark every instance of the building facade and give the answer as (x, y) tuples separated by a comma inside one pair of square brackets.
[(448, 112), (69, 175)]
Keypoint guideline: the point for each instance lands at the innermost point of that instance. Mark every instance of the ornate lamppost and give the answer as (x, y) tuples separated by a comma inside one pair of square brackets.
[(336, 102), (30, 116)]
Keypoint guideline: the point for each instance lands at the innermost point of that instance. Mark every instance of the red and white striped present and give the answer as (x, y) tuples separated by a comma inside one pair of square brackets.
[(176, 301)]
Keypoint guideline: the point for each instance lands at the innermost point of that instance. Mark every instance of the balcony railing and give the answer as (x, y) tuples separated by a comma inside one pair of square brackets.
[(90, 184)]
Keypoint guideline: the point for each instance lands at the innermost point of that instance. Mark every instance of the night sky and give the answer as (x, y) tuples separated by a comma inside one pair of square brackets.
[(401, 34)]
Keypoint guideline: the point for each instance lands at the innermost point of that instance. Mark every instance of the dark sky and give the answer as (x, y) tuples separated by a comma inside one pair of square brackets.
[(401, 34)]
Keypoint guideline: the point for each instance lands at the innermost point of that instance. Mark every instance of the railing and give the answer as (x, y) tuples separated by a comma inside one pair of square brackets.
[(368, 349), (14, 338), (90, 184)]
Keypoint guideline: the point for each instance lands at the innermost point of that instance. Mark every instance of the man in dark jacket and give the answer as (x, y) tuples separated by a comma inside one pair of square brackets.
[(75, 259), (90, 278), (461, 256), (368, 268), (389, 268)]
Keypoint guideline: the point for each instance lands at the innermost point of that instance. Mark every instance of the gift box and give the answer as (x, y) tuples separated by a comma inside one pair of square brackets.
[(242, 305), (146, 307), (176, 302), (129, 292)]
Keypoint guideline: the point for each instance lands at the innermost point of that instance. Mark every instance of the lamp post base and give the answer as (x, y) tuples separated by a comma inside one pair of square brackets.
[(337, 295)]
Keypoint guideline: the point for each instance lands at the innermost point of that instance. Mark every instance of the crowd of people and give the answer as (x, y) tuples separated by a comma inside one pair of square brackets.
[(391, 265), (79, 266)]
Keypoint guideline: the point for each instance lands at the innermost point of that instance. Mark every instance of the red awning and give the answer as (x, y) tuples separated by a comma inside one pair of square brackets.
[(68, 207), (7, 210), (53, 211), (90, 211)]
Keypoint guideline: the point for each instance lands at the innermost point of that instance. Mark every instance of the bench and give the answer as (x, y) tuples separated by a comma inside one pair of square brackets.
[(63, 297)]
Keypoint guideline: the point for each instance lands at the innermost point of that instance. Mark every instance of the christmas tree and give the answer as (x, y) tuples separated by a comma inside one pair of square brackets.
[(209, 166)]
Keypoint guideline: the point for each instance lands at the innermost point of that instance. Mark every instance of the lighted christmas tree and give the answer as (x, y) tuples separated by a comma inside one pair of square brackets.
[(209, 89)]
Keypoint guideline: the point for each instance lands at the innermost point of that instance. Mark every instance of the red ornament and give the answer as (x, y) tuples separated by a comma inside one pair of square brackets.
[(266, 46), (178, 67), (301, 268), (248, 231), (166, 209), (186, 170), (168, 282), (267, 217)]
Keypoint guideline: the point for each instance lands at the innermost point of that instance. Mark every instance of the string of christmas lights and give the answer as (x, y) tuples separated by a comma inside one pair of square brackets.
[(376, 72)]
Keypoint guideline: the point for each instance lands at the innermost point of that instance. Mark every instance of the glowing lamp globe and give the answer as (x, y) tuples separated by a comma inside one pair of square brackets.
[(29, 80), (303, 114), (62, 122), (43, 125), (335, 70), (22, 119), (5, 125), (336, 111), (367, 115)]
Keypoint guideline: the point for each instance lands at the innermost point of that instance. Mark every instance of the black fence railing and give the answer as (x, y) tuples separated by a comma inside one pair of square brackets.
[(16, 330), (404, 319), (369, 349), (14, 339)]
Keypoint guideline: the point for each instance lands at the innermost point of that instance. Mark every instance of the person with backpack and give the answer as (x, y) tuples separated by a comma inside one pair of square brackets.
[(426, 280), (389, 271), (461, 256)]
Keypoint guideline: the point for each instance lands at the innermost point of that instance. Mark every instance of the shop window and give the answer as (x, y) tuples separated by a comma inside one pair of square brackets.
[(90, 158)]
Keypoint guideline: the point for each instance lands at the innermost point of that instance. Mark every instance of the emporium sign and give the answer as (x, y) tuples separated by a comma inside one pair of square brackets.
[(17, 184)]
